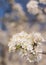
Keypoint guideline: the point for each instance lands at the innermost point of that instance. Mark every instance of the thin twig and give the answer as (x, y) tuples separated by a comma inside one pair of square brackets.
[(44, 53)]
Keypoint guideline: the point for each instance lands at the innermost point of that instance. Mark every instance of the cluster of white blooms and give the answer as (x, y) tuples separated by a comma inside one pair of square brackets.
[(32, 7), (29, 45), (42, 1)]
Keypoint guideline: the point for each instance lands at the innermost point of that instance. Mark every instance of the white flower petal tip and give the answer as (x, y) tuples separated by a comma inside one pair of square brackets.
[(29, 60)]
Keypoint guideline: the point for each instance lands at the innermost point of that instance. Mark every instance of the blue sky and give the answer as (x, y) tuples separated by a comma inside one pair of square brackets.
[(4, 6)]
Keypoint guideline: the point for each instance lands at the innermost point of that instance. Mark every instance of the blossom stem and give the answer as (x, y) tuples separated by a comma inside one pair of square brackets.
[(44, 53)]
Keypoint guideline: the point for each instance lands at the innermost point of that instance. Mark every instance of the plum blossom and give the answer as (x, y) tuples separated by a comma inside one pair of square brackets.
[(29, 45), (37, 37), (42, 1), (32, 7)]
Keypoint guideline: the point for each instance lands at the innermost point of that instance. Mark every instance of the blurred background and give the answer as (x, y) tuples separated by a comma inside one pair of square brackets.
[(17, 16)]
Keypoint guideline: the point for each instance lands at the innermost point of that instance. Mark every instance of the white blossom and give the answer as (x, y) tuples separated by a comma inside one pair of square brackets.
[(42, 1), (37, 37), (32, 7), (29, 45)]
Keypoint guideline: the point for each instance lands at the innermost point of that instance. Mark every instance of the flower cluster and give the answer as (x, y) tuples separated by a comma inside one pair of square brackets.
[(29, 45), (42, 1), (32, 7)]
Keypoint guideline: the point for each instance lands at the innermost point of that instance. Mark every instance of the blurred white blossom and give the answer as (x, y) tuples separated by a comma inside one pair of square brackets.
[(32, 7), (42, 1), (29, 45), (41, 17), (18, 8), (17, 13)]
